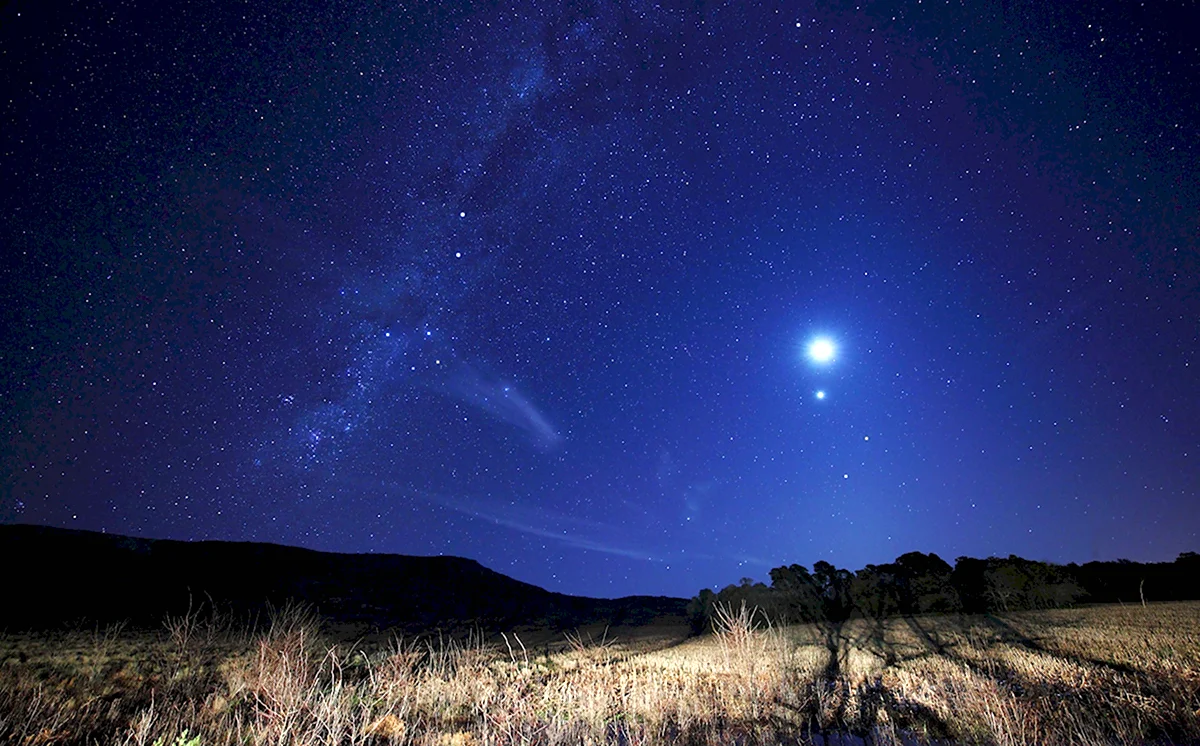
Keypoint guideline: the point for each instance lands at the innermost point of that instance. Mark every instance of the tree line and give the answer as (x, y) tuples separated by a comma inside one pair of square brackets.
[(917, 583)]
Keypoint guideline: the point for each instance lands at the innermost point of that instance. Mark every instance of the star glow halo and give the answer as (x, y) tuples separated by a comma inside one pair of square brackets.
[(821, 350)]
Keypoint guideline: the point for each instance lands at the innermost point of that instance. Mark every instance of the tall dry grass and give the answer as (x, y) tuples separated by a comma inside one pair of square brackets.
[(1092, 676)]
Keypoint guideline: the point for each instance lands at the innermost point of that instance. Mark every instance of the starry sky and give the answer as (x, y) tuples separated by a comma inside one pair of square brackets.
[(614, 297)]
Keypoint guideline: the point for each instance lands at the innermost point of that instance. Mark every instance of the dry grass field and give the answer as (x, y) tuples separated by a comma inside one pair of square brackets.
[(1127, 675)]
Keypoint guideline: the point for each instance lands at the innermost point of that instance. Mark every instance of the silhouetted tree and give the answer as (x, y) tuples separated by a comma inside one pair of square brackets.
[(797, 595), (754, 595), (875, 591), (700, 611), (1183, 577), (834, 587), (1123, 580), (1005, 586), (925, 583), (1051, 586), (970, 583), (1017, 583), (757, 596)]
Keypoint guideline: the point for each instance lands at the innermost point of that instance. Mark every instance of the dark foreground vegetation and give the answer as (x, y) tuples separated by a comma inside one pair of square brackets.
[(1075, 677), (919, 583)]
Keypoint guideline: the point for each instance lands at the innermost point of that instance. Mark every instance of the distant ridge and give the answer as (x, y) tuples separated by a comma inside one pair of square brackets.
[(56, 576)]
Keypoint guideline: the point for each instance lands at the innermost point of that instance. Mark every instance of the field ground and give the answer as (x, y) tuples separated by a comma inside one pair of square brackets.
[(1128, 675)]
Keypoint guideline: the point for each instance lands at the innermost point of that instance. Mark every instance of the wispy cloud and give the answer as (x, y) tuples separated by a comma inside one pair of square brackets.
[(570, 531), (504, 401)]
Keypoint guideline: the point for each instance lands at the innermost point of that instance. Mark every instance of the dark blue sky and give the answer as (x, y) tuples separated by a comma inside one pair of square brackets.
[(533, 283)]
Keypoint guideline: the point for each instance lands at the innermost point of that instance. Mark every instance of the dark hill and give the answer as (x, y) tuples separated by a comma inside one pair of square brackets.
[(56, 576)]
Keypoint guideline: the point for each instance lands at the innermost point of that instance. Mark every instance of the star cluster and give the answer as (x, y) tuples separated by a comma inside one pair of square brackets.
[(616, 297)]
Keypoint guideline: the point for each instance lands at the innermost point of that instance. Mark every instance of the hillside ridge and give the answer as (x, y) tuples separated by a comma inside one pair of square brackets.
[(124, 578)]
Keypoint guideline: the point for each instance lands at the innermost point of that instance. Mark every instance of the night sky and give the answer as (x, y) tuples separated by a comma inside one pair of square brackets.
[(613, 297)]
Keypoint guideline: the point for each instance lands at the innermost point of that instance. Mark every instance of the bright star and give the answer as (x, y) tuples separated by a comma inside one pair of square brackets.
[(821, 350), (820, 394)]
